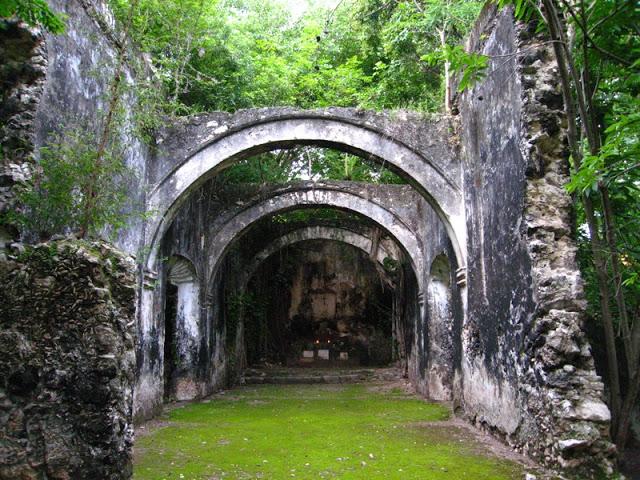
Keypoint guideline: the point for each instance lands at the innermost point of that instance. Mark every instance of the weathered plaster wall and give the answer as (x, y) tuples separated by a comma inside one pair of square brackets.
[(435, 354), (427, 136), (67, 330), (527, 367), (76, 94), (326, 291), (60, 83), (184, 320)]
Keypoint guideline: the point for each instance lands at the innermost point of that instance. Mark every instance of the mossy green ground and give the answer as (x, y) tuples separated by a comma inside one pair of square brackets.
[(313, 432)]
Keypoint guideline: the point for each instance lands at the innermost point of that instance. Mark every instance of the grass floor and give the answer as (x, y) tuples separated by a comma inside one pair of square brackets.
[(313, 432)]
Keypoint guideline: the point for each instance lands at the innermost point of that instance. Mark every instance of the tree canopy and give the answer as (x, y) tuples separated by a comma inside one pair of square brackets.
[(233, 54)]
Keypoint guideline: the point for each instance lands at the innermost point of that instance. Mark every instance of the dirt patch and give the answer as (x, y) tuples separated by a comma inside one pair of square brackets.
[(399, 386)]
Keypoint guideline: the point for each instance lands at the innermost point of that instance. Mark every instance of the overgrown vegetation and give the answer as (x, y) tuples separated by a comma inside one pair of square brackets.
[(308, 163), (232, 54), (314, 432), (79, 184), (70, 190), (34, 12)]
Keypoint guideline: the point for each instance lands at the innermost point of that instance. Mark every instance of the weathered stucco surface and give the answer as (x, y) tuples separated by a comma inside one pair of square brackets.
[(528, 369)]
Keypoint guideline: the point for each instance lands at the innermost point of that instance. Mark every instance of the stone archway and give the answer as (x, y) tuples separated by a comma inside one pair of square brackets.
[(320, 232), (416, 148), (320, 196), (147, 397)]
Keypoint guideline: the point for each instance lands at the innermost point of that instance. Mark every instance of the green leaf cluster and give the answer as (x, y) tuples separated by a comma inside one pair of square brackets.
[(234, 54), (34, 13), (54, 199)]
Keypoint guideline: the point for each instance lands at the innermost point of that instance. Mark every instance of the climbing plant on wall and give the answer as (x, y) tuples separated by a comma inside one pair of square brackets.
[(54, 199), (79, 182)]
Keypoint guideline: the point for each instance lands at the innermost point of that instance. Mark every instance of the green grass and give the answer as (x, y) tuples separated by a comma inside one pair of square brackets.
[(313, 432)]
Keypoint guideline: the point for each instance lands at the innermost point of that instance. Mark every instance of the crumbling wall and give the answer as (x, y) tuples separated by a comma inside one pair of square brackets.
[(67, 331), (23, 67), (528, 370), (56, 84)]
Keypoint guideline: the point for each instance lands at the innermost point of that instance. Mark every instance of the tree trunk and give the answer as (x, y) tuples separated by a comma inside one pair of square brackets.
[(568, 75), (447, 72), (626, 411)]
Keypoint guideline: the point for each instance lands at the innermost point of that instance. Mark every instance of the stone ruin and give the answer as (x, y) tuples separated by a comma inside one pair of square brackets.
[(487, 301)]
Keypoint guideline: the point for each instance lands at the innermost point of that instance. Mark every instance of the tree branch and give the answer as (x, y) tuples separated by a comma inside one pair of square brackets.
[(593, 44)]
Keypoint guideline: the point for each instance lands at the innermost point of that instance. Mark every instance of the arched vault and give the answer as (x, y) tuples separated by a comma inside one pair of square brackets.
[(321, 232), (322, 196), (414, 147)]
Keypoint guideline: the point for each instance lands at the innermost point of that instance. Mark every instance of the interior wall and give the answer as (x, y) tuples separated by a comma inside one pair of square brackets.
[(326, 292)]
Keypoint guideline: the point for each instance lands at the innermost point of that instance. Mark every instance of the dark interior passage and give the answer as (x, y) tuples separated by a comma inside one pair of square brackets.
[(320, 303), (170, 347)]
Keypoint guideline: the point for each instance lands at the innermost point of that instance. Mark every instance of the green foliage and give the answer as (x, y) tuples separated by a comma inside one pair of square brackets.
[(307, 163), (228, 55), (472, 66), (315, 431), (616, 164), (524, 10), (34, 13), (55, 200)]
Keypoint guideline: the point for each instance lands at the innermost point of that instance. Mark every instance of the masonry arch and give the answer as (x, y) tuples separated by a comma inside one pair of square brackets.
[(320, 232), (221, 146), (231, 226), (320, 196)]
